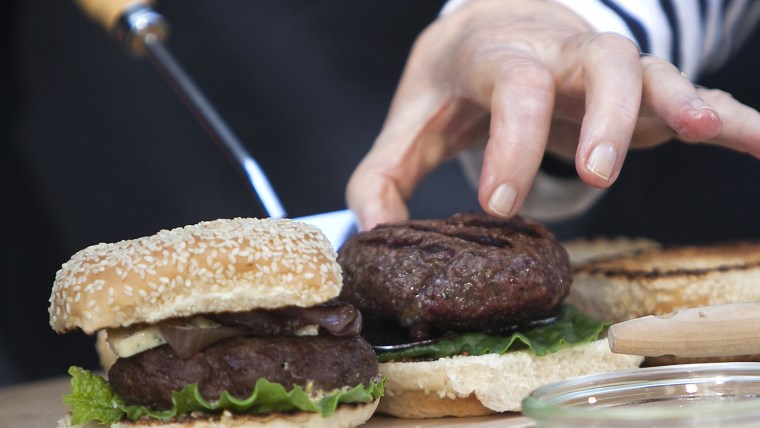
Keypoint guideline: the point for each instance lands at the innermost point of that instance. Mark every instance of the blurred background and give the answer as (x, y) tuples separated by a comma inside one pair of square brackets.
[(95, 147)]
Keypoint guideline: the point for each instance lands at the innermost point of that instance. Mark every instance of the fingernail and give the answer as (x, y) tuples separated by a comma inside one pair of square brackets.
[(698, 104), (503, 199), (602, 161)]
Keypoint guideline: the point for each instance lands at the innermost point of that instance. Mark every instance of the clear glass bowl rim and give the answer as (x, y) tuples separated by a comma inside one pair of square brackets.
[(545, 403)]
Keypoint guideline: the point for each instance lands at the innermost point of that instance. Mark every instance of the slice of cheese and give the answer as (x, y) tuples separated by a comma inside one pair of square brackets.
[(127, 342)]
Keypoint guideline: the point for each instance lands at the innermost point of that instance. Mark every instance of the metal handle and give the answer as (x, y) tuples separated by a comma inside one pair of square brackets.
[(142, 32), (214, 125)]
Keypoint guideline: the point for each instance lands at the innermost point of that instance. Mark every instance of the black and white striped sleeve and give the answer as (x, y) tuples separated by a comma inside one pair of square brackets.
[(695, 35)]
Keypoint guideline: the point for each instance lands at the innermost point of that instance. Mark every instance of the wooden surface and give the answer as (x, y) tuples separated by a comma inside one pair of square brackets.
[(33, 405), (39, 405)]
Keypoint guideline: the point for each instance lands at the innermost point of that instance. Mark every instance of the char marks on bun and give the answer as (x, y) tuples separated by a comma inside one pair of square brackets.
[(660, 279)]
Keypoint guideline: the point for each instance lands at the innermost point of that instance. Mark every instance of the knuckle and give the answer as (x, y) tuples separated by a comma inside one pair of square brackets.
[(615, 44), (716, 96), (658, 65), (526, 72), (483, 45)]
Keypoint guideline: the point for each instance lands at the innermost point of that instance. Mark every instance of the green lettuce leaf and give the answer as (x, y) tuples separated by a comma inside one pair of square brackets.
[(92, 399), (572, 328)]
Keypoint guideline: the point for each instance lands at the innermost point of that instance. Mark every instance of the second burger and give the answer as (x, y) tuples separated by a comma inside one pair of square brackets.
[(466, 314)]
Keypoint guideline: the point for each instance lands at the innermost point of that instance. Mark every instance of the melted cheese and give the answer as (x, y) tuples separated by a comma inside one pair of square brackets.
[(307, 330), (126, 342)]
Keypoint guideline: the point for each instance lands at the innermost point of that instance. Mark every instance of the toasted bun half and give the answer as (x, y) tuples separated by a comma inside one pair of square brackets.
[(582, 250), (345, 416), (480, 385), (226, 265), (658, 281)]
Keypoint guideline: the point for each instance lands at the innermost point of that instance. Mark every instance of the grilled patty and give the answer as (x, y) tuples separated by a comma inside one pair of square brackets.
[(234, 365), (469, 272)]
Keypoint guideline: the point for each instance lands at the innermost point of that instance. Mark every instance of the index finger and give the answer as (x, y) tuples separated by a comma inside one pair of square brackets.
[(613, 84)]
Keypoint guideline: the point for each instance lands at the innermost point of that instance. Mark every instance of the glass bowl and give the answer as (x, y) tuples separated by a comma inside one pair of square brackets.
[(689, 395)]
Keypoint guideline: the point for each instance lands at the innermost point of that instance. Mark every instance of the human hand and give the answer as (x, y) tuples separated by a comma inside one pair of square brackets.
[(535, 78)]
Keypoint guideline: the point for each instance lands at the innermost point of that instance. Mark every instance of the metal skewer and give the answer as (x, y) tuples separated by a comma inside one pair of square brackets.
[(142, 31)]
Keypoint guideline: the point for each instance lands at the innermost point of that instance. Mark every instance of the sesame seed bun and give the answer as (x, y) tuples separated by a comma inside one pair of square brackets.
[(346, 415), (658, 281), (227, 265)]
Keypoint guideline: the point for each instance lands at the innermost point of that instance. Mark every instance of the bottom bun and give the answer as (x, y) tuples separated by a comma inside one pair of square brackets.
[(479, 385), (345, 416)]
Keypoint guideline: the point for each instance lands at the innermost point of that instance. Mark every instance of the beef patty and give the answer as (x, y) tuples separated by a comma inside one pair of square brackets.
[(235, 365), (469, 272)]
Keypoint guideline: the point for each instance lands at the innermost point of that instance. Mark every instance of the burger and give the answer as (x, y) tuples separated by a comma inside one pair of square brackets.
[(224, 323), (467, 314)]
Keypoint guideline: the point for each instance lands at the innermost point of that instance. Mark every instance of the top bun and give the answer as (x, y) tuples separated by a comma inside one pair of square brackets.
[(658, 281), (227, 265)]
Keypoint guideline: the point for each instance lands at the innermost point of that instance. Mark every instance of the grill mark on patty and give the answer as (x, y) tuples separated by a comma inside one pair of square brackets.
[(495, 224), (484, 239), (404, 242), (438, 248)]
